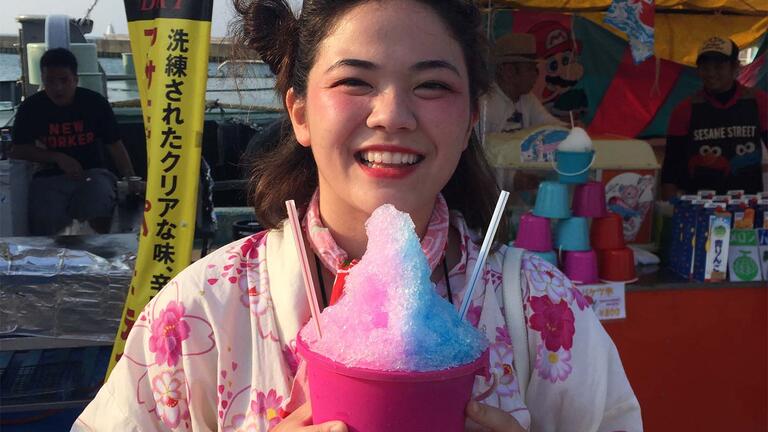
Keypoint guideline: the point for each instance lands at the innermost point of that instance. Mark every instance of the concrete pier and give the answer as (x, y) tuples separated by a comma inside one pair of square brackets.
[(113, 46)]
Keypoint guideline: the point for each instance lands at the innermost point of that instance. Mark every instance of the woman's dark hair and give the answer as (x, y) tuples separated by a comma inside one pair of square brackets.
[(289, 46)]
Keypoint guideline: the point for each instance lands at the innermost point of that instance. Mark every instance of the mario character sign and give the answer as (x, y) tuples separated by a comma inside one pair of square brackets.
[(561, 70), (630, 195)]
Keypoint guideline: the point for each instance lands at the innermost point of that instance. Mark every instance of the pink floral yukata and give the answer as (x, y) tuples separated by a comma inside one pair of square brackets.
[(215, 349)]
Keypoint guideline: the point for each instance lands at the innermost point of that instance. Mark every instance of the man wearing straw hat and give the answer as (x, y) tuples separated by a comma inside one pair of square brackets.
[(511, 106)]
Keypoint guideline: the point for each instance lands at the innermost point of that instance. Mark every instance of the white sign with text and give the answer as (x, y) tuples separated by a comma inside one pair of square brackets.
[(609, 300)]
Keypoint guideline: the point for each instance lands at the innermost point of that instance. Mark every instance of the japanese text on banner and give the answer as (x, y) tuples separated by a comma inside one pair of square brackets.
[(170, 43)]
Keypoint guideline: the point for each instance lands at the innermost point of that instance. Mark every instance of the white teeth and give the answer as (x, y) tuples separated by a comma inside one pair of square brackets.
[(389, 158)]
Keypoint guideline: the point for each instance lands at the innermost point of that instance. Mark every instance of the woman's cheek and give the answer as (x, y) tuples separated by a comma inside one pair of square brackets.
[(337, 104), (447, 114)]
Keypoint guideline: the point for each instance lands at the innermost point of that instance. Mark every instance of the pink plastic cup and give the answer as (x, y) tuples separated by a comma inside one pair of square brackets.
[(534, 233), (581, 267), (589, 200), (368, 400)]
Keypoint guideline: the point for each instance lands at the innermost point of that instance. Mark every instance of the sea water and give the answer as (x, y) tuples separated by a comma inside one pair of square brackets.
[(255, 89)]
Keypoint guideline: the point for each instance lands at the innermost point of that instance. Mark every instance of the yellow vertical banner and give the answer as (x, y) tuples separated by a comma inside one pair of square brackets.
[(170, 40)]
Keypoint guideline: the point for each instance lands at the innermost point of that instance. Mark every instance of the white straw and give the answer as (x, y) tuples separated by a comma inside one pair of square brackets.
[(306, 272), (484, 249), (572, 124)]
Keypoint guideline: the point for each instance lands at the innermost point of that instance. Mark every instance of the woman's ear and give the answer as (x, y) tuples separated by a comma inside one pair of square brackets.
[(297, 110)]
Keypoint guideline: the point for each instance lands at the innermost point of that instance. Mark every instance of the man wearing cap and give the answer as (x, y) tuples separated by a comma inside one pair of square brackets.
[(511, 106), (715, 137)]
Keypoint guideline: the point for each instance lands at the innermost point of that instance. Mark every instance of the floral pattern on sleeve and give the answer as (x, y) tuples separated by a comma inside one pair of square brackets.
[(550, 298)]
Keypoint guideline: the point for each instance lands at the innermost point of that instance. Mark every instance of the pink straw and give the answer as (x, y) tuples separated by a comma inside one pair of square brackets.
[(306, 272)]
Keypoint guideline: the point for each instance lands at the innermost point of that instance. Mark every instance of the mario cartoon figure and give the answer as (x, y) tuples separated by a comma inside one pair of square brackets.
[(562, 70)]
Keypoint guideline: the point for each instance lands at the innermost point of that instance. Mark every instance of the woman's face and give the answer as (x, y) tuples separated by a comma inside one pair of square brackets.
[(387, 110)]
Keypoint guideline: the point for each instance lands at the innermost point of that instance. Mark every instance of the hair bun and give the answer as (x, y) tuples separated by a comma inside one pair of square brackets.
[(269, 27)]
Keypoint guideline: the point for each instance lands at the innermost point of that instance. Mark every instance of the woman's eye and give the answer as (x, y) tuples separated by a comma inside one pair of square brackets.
[(354, 86), (350, 82), (431, 89), (434, 85)]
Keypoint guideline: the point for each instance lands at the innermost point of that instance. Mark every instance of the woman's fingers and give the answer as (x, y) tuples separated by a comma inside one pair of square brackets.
[(492, 418), (334, 426), (301, 420)]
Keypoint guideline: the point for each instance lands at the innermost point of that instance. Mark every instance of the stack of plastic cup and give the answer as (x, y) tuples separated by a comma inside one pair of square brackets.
[(579, 261), (534, 235), (616, 262), (573, 160)]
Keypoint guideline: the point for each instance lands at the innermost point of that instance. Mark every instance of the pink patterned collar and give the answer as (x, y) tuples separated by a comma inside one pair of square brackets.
[(334, 258)]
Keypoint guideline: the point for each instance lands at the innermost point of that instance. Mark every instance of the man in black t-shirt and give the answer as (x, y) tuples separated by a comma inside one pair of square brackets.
[(715, 138), (66, 129)]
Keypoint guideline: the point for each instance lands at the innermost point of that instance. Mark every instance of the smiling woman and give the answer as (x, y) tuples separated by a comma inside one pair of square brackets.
[(382, 102), (353, 74)]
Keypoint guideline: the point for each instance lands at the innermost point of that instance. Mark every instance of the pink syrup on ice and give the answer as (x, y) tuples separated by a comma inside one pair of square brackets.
[(390, 317)]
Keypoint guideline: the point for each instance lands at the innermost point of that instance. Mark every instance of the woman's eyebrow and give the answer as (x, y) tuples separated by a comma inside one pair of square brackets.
[(355, 63), (435, 64), (418, 67)]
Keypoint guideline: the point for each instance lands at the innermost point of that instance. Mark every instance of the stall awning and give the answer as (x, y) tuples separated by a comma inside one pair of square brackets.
[(748, 7), (678, 36)]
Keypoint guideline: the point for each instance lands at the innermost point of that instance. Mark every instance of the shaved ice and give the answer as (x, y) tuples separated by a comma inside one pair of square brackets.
[(577, 141), (390, 317)]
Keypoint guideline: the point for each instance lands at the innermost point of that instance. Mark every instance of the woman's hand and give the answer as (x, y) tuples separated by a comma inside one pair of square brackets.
[(301, 421), (481, 417)]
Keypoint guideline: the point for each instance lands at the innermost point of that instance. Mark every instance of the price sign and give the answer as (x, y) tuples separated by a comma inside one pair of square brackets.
[(609, 300)]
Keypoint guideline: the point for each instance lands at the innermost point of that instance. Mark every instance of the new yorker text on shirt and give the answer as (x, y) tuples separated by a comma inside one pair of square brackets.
[(68, 134), (705, 134)]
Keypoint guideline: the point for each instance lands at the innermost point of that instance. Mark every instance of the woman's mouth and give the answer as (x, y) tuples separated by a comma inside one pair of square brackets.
[(385, 159), (388, 164)]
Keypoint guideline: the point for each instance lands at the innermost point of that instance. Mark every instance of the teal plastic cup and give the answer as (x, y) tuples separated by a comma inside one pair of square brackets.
[(572, 234), (573, 167), (552, 201)]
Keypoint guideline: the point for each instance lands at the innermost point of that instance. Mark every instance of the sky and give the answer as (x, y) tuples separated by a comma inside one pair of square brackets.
[(106, 12)]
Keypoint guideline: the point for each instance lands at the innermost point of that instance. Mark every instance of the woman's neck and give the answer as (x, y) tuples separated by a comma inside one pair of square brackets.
[(347, 226)]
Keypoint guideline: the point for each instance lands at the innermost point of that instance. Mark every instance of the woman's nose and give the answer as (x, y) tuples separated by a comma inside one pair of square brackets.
[(392, 111)]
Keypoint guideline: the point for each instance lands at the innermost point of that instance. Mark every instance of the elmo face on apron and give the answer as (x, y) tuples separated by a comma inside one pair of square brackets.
[(709, 161)]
